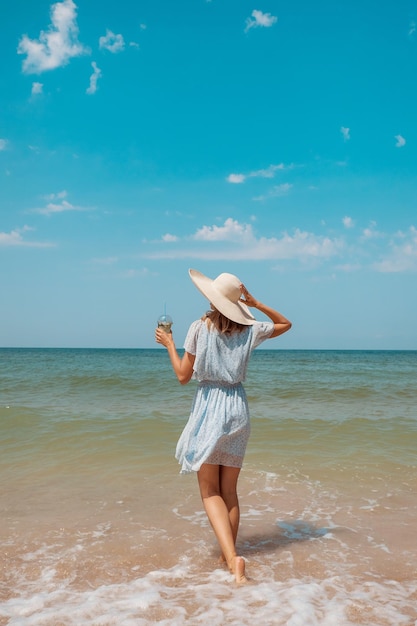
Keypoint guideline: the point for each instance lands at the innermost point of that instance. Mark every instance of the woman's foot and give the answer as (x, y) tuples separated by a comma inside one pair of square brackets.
[(238, 569)]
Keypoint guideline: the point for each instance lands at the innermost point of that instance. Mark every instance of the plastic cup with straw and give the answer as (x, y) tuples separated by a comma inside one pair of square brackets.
[(165, 321)]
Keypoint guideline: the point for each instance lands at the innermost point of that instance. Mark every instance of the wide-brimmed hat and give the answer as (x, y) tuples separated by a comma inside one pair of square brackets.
[(224, 294)]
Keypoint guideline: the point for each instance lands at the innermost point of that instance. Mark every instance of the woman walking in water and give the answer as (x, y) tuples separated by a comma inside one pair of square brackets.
[(213, 442)]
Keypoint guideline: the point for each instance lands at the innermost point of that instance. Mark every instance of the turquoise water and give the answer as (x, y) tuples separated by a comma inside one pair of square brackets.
[(99, 528)]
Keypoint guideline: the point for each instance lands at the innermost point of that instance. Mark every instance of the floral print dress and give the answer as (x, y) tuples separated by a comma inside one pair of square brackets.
[(218, 428)]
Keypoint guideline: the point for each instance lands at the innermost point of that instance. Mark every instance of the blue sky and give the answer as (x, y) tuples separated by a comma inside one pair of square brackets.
[(276, 140)]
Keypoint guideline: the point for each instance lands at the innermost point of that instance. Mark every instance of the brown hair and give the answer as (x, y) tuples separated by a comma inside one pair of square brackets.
[(222, 323)]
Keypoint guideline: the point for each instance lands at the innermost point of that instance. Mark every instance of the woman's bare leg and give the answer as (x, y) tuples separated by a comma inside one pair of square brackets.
[(218, 514), (228, 491)]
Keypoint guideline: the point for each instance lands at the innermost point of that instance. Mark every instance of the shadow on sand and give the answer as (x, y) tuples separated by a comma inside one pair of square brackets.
[(284, 534)]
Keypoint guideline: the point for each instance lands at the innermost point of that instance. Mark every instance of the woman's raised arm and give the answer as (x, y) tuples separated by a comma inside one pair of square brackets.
[(280, 322)]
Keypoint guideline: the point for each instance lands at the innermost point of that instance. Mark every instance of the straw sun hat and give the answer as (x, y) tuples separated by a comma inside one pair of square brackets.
[(224, 294)]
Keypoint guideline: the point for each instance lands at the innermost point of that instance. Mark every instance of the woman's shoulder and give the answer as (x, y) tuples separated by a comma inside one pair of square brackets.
[(197, 323), (196, 327), (194, 336), (261, 332)]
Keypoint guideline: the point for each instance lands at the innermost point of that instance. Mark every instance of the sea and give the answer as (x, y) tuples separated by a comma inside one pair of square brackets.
[(98, 527)]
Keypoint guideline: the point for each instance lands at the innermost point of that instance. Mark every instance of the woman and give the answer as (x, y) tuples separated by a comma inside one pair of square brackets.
[(213, 443)]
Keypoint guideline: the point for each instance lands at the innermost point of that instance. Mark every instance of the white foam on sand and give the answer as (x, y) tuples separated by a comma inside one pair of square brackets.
[(184, 594), (315, 557)]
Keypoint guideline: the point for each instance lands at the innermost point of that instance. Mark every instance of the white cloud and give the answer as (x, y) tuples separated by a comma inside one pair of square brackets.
[(236, 178), (412, 28), (137, 273), (237, 241), (268, 172), (92, 88), (56, 46), (169, 238), (303, 244), (345, 132), (400, 141), (368, 233), (348, 222), (15, 238), (56, 203), (276, 192), (56, 196), (371, 232), (265, 20), (3, 144), (52, 207), (37, 88), (402, 256), (111, 42), (230, 231)]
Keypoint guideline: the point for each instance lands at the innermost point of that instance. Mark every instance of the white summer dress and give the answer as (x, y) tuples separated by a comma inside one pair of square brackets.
[(218, 428)]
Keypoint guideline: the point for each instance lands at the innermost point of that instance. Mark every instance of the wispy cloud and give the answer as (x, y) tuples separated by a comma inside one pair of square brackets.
[(3, 144), (412, 28), (53, 207), (276, 192), (111, 42), (268, 172), (109, 260), (92, 88), (400, 141), (258, 18), (371, 232), (56, 196), (402, 255), (56, 46), (142, 272), (16, 238), (345, 132), (57, 203)]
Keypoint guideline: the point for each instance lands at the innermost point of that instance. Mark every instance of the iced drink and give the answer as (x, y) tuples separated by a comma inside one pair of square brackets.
[(165, 322)]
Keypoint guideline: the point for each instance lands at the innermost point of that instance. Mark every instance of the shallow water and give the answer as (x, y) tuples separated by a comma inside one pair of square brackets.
[(98, 527)]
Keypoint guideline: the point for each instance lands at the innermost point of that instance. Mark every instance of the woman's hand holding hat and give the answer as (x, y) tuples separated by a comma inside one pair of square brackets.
[(248, 299)]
